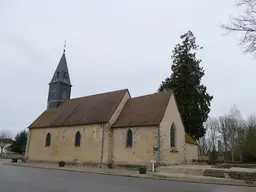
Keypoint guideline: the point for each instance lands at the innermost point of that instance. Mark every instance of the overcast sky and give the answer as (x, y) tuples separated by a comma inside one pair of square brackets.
[(115, 44)]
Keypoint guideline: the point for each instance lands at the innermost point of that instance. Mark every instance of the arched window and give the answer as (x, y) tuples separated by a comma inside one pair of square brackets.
[(172, 136), (77, 139), (48, 140), (129, 139)]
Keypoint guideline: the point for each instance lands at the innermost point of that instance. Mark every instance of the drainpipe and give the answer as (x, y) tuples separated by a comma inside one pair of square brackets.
[(102, 145), (158, 143)]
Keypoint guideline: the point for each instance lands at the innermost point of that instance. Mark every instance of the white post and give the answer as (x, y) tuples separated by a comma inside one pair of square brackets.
[(153, 165)]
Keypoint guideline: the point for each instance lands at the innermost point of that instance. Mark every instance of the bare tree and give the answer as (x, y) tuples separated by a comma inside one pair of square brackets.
[(224, 122), (232, 130), (212, 126), (203, 146), (245, 24), (249, 143), (5, 134), (251, 121)]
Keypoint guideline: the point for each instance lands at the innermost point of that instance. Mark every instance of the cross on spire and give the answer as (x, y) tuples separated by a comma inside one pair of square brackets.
[(65, 46)]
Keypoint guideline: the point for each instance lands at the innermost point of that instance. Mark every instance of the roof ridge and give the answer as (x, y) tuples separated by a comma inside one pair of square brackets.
[(157, 93), (99, 94)]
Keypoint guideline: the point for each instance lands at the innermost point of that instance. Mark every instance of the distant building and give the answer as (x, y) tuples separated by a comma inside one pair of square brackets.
[(6, 143), (108, 128)]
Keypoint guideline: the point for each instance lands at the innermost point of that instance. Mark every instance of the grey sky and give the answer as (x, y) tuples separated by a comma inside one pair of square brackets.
[(111, 45)]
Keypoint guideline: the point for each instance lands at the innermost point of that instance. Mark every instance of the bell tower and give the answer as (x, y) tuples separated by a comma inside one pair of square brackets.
[(60, 85)]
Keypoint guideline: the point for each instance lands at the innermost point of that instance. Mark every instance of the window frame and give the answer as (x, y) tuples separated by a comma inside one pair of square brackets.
[(78, 139), (48, 140), (129, 140), (172, 136)]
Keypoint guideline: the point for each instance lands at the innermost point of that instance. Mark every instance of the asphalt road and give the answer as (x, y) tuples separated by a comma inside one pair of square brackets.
[(22, 179)]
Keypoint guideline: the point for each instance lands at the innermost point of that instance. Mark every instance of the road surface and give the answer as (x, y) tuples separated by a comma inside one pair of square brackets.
[(22, 179)]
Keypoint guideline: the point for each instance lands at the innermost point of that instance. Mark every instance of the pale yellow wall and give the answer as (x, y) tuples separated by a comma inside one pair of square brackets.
[(62, 144), (177, 154), (27, 145), (144, 139), (191, 152), (108, 132)]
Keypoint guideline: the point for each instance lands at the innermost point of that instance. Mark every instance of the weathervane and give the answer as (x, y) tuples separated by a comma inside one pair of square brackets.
[(65, 46)]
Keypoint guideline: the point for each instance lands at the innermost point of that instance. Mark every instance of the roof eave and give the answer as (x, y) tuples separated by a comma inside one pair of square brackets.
[(192, 143), (127, 126), (70, 125)]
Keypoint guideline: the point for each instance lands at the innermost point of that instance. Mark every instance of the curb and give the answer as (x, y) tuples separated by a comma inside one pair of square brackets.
[(150, 176)]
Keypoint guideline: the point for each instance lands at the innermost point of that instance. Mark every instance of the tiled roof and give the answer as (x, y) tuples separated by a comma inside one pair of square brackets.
[(143, 111), (81, 111), (190, 140)]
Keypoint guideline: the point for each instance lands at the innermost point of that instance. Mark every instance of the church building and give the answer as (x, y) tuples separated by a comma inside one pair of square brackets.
[(108, 129)]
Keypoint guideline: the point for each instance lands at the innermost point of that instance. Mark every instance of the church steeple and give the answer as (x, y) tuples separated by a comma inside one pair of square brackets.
[(60, 85), (61, 73)]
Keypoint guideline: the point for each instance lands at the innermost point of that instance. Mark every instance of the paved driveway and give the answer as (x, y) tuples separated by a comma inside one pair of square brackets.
[(21, 179)]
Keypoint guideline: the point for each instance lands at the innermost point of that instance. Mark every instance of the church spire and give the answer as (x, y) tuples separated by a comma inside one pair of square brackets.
[(60, 84), (61, 73)]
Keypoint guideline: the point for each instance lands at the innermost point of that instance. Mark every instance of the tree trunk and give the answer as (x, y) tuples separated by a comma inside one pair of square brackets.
[(232, 155)]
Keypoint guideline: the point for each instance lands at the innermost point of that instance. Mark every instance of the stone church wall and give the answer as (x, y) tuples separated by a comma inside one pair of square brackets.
[(108, 139), (144, 140), (63, 144), (191, 152), (172, 155)]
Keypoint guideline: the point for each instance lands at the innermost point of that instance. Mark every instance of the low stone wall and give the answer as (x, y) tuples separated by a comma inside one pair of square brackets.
[(249, 177), (244, 165), (12, 156), (214, 173), (197, 172)]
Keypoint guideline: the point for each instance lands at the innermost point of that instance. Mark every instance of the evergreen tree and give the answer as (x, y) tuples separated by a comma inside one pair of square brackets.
[(249, 146), (192, 99), (19, 145)]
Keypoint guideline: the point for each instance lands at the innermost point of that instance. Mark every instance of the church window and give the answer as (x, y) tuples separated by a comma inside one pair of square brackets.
[(65, 75), (64, 95), (129, 139), (56, 75), (48, 140), (53, 93), (77, 139), (172, 136)]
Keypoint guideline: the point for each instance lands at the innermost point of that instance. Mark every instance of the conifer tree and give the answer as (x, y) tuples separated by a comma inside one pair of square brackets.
[(185, 81)]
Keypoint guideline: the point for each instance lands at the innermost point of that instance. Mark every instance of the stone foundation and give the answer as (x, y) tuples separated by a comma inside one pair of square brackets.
[(93, 164)]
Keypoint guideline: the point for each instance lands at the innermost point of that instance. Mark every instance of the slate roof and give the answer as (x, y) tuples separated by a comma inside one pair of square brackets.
[(92, 109), (145, 110), (61, 72)]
